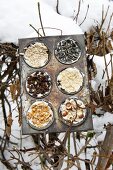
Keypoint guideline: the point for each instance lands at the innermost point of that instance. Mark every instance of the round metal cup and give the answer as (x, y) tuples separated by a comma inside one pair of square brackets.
[(68, 122), (65, 51), (45, 94), (48, 124), (63, 90), (25, 60)]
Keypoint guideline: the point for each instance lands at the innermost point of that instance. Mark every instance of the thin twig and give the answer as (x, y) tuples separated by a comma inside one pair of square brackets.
[(85, 16), (104, 71), (57, 10), (35, 30), (68, 149), (51, 28), (103, 18), (41, 19), (74, 142), (103, 36), (109, 23), (111, 56), (81, 150), (76, 17)]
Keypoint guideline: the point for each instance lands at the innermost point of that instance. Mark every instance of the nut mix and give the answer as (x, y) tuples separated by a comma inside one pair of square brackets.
[(73, 110), (40, 114)]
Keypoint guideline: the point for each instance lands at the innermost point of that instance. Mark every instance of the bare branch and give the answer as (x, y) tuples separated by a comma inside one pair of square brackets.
[(106, 150), (41, 19), (57, 10), (35, 30), (85, 16)]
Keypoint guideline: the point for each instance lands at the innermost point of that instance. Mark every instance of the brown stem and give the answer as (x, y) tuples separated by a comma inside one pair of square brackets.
[(106, 149), (85, 16), (41, 19), (57, 10), (35, 30)]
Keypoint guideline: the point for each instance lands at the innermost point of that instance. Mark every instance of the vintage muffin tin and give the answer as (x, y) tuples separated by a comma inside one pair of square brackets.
[(56, 97)]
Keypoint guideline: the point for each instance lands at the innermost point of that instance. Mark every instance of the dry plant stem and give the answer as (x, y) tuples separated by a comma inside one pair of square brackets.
[(3, 108), (2, 138), (106, 68), (57, 10), (75, 147), (3, 159), (111, 81), (111, 56), (41, 19), (43, 166), (94, 157), (51, 28), (8, 104), (82, 149), (61, 148), (58, 161), (80, 159), (85, 16), (111, 88), (106, 149), (109, 24), (7, 164), (87, 165), (68, 150), (104, 71), (103, 18), (35, 30), (76, 17), (20, 159), (9, 59)]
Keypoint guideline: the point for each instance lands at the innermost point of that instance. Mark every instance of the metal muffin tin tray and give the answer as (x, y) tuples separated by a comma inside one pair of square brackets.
[(55, 97)]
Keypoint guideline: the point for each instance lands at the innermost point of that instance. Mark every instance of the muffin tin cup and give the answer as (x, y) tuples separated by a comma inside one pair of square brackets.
[(70, 123), (67, 55), (45, 94), (48, 124), (36, 67), (25, 60), (63, 90)]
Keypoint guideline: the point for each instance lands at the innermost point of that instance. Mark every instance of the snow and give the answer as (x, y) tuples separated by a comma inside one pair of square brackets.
[(100, 65), (99, 122), (94, 16), (15, 17), (53, 20)]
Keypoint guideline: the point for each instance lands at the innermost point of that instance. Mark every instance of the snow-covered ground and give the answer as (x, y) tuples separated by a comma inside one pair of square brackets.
[(16, 15)]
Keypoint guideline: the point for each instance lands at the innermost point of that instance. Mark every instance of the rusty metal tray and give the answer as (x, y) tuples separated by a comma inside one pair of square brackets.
[(55, 97)]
